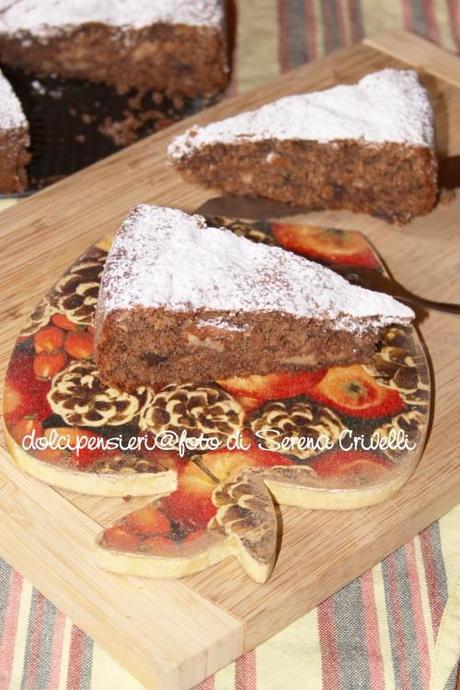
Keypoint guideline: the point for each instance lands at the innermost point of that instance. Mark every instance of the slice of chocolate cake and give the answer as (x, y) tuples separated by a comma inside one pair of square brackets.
[(366, 147), (180, 301), (14, 140), (174, 46)]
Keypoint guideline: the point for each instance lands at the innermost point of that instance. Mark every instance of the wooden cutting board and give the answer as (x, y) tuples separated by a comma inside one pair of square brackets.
[(172, 634)]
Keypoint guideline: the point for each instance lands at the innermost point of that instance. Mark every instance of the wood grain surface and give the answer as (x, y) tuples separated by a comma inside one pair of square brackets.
[(170, 635)]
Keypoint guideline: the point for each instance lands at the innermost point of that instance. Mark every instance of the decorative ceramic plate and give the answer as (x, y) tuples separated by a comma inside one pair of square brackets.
[(339, 438)]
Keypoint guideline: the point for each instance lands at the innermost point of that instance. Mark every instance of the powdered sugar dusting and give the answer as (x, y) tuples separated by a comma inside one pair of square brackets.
[(386, 106), (221, 324), (162, 257), (48, 17), (11, 113)]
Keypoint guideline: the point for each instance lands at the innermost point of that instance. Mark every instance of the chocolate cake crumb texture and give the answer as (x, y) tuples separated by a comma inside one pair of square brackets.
[(48, 17), (11, 113), (386, 106), (165, 258)]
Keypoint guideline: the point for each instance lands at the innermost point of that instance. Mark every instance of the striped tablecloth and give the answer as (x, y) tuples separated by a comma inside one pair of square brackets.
[(395, 628)]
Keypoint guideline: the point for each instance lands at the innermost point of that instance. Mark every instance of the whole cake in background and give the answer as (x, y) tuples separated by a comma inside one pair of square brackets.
[(368, 147), (94, 76), (180, 301), (172, 46), (14, 140)]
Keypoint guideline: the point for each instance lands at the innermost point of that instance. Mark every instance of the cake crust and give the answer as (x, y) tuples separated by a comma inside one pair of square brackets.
[(183, 302), (392, 181), (141, 346)]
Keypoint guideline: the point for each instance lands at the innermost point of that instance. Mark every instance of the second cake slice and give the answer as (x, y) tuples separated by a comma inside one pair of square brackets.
[(368, 147), (180, 301)]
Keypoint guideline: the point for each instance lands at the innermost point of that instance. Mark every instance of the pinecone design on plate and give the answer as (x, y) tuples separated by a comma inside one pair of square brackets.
[(195, 409), (75, 295), (404, 426), (248, 230), (295, 422), (38, 319), (126, 463), (245, 511), (78, 396), (396, 365)]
